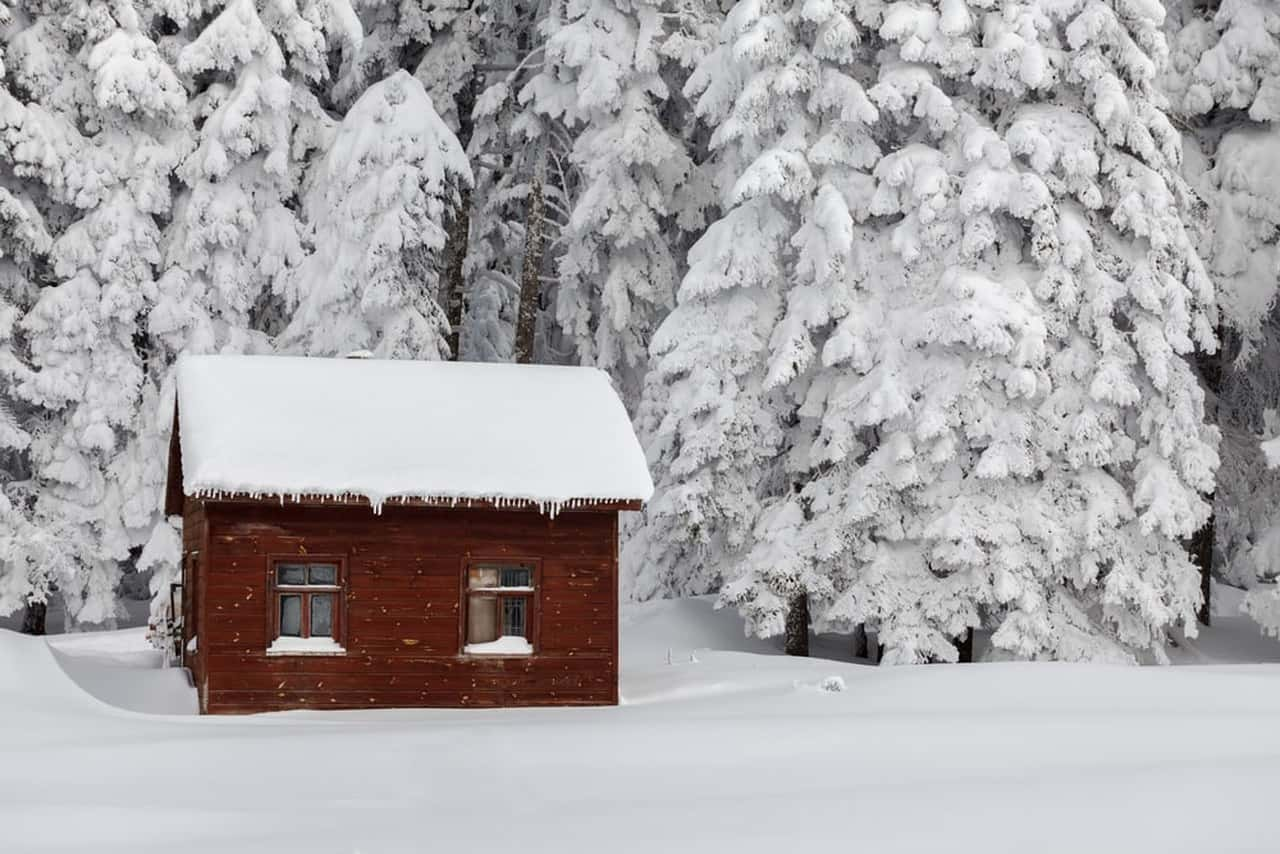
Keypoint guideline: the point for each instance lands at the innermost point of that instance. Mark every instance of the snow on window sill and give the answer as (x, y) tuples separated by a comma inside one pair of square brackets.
[(306, 646), (505, 645)]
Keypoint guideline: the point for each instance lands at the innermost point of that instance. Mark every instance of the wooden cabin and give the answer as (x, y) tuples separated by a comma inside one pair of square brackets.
[(363, 533)]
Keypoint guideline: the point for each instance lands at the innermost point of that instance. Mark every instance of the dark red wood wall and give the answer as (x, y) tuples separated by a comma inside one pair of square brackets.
[(403, 633)]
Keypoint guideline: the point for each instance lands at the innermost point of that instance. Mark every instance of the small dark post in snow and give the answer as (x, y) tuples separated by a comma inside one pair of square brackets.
[(797, 641), (33, 618)]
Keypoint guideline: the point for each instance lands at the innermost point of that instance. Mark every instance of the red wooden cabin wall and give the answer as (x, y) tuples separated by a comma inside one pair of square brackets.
[(403, 632)]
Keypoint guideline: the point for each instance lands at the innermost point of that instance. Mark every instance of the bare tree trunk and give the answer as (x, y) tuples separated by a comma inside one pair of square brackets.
[(964, 646), (1200, 546), (455, 249), (531, 271), (455, 255), (33, 618), (861, 643), (1202, 554), (797, 639)]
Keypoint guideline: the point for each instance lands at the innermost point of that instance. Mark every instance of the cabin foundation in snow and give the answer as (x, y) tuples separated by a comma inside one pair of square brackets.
[(366, 533)]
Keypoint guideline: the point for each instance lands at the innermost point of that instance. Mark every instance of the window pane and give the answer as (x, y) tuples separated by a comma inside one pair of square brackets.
[(291, 573), (513, 617), (322, 615), (291, 616), (517, 576), (324, 573), (482, 576), (482, 619)]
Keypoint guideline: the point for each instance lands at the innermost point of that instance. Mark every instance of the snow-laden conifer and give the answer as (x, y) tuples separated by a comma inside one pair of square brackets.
[(376, 209), (234, 235), (1225, 80), (635, 189), (101, 134), (1034, 449), (792, 149)]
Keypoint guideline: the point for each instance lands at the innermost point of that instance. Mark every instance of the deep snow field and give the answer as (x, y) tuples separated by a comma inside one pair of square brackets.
[(730, 747)]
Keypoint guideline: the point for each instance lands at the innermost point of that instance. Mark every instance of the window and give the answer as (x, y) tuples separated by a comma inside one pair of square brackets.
[(307, 608), (499, 609)]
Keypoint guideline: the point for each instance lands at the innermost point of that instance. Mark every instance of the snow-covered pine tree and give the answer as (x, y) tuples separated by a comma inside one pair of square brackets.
[(1026, 446), (437, 41), (495, 220), (1225, 80), (494, 249), (821, 170), (1229, 60), (376, 208), (101, 127), (440, 42), (604, 79), (38, 559), (24, 247), (235, 234), (523, 178), (792, 146)]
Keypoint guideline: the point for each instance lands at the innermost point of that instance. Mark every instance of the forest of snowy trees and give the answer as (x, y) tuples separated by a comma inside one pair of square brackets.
[(933, 315)]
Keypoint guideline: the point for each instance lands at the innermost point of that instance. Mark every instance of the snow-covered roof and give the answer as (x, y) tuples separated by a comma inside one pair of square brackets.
[(384, 429)]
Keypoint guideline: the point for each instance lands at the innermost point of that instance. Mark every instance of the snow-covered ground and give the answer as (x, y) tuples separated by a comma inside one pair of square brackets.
[(729, 747)]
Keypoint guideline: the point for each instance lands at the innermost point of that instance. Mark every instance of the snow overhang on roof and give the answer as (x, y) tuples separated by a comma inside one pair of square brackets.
[(382, 430)]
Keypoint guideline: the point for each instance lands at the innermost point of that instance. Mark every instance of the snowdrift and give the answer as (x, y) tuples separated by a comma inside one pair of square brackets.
[(31, 679), (731, 749)]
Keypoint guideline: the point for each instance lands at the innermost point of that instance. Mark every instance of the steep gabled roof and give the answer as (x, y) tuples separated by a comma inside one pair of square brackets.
[(379, 430)]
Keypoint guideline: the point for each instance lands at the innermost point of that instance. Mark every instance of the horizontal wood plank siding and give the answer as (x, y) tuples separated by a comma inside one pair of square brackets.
[(403, 600)]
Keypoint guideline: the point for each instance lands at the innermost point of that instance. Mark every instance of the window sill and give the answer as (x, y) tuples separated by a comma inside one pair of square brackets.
[(512, 647), (305, 646)]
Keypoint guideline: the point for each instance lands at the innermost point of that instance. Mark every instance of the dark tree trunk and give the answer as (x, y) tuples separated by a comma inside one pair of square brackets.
[(1202, 554), (797, 642), (861, 643), (531, 272), (864, 648), (33, 618), (455, 249), (455, 256), (1201, 544), (964, 646)]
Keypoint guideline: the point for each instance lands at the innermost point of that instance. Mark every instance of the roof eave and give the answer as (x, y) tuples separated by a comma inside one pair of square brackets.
[(588, 505)]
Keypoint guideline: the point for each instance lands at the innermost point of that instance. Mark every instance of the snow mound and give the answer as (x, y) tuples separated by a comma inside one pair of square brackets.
[(654, 631), (78, 673), (121, 669), (384, 429), (30, 677)]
